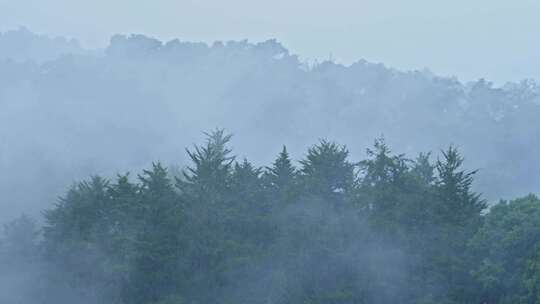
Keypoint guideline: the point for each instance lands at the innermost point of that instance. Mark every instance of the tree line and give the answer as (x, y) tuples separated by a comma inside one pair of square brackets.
[(387, 229), (245, 86)]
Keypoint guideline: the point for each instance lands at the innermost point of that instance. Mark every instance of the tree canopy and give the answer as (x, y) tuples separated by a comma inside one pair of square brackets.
[(325, 229)]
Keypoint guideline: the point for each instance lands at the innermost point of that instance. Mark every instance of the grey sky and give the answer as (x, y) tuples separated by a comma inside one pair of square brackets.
[(494, 39)]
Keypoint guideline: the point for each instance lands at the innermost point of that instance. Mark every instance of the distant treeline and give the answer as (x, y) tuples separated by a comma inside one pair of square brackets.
[(387, 229), (67, 112)]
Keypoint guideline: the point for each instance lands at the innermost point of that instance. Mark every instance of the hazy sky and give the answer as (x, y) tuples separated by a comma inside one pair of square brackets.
[(495, 39)]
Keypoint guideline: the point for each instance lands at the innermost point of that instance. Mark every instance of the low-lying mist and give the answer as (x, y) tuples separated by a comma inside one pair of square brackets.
[(387, 229), (68, 112), (330, 230)]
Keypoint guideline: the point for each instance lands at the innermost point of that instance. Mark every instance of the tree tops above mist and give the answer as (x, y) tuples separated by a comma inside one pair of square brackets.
[(22, 45), (326, 229), (71, 113)]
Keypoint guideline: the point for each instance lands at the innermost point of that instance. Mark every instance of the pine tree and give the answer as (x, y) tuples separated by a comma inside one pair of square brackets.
[(281, 179), (159, 245), (461, 205), (423, 170), (459, 215), (382, 188), (76, 242), (326, 171), (206, 188), (246, 182), (212, 165)]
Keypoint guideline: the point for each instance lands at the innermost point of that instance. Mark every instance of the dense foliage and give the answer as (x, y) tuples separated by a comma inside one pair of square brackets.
[(67, 112), (387, 229)]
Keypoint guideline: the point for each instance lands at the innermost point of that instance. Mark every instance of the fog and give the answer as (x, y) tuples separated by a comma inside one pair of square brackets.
[(68, 112), (468, 39), (92, 91)]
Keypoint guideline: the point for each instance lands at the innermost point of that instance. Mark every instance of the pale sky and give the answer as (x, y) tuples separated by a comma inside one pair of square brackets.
[(498, 40)]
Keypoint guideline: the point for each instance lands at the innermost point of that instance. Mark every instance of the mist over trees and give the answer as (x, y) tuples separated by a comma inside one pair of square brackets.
[(301, 223), (387, 229), (67, 112), (22, 45)]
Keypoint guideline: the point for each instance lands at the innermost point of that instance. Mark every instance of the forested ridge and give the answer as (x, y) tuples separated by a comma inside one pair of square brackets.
[(390, 228), (67, 112)]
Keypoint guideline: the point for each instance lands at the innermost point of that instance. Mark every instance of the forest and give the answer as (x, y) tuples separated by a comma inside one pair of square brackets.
[(342, 184), (390, 228), (68, 112)]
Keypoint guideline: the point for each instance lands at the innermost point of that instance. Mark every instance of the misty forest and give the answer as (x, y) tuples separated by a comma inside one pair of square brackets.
[(176, 172)]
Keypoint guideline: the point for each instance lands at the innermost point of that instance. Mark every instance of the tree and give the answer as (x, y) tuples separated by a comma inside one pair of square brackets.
[(459, 215), (383, 181), (212, 164), (326, 172), (246, 183), (76, 237), (206, 190), (159, 244), (396, 199), (250, 208), (507, 251), (461, 206), (281, 179)]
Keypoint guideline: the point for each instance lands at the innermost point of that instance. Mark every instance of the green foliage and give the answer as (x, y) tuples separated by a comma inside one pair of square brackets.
[(212, 165), (508, 249), (326, 172), (158, 243), (385, 179), (384, 230), (461, 205), (281, 179)]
